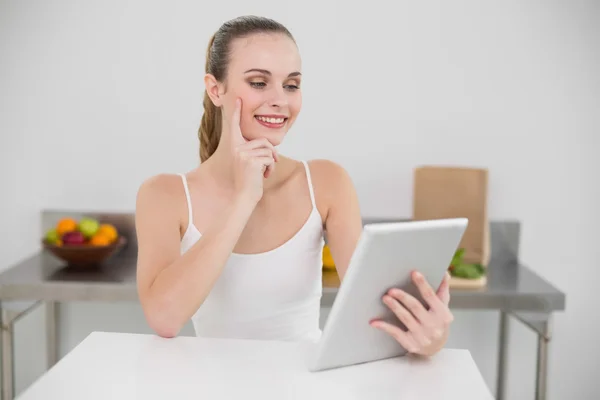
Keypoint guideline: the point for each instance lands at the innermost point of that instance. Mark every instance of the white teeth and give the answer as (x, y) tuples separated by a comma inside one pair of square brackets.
[(272, 120)]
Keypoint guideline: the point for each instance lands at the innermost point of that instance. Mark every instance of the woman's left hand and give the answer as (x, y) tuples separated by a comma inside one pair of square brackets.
[(427, 329)]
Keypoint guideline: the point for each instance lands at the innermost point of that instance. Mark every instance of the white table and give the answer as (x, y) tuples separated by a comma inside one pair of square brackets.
[(136, 366)]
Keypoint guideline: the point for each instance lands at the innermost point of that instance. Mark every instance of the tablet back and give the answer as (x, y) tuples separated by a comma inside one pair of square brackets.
[(384, 257)]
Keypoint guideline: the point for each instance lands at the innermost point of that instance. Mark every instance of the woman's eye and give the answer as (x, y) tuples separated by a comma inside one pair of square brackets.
[(261, 85)]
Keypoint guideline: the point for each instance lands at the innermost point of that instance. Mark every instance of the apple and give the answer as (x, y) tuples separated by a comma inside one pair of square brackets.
[(52, 236), (73, 238), (88, 226)]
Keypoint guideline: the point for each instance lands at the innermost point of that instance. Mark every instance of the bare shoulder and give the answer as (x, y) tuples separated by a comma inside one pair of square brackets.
[(161, 198), (327, 168), (329, 176), (331, 182), (159, 187)]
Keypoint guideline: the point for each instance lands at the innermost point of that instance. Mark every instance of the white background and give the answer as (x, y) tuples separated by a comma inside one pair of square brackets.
[(96, 96)]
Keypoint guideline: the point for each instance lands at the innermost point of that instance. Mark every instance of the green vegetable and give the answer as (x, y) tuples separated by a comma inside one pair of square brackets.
[(457, 259), (460, 269), (468, 271)]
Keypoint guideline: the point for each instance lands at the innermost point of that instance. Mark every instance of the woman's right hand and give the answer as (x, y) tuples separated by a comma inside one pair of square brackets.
[(254, 160)]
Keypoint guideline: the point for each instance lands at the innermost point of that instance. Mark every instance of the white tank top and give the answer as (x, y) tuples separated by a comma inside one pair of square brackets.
[(274, 295)]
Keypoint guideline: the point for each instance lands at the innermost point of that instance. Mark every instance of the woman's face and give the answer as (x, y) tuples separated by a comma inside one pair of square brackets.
[(264, 71)]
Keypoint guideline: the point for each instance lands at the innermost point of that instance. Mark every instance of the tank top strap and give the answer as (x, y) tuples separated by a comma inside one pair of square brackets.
[(187, 197), (310, 185)]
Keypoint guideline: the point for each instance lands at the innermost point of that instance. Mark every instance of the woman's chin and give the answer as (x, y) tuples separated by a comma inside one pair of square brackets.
[(275, 138)]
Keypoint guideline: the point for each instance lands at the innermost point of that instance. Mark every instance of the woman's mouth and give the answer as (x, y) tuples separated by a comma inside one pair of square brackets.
[(273, 122)]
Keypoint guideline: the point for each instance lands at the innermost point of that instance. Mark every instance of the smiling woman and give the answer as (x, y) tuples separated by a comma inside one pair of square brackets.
[(265, 80), (236, 243)]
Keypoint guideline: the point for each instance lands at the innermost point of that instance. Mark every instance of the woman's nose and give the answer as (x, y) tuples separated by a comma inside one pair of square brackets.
[(278, 97)]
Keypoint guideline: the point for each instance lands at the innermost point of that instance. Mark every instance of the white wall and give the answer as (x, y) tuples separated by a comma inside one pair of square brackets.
[(96, 96)]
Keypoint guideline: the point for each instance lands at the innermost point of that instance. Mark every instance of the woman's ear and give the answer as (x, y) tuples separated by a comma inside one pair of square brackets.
[(213, 89)]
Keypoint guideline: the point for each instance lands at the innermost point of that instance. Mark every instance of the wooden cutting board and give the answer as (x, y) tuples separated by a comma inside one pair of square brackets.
[(462, 283), (332, 280)]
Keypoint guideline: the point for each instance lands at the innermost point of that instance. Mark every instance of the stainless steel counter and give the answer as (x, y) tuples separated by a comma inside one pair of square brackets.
[(511, 286), (512, 289)]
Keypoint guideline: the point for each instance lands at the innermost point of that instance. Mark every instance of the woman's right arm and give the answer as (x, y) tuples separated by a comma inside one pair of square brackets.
[(171, 286)]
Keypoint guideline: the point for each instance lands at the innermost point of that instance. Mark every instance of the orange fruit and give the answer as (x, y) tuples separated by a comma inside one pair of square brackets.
[(65, 225), (100, 239), (327, 258), (109, 231)]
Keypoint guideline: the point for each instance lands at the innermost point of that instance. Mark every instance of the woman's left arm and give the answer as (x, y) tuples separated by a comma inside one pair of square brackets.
[(427, 328)]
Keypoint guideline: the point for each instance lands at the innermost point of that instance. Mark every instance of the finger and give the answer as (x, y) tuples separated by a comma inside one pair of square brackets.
[(408, 320), (267, 165), (268, 170), (404, 338), (259, 152), (443, 292), (440, 311), (413, 305), (236, 131), (426, 291), (264, 161), (260, 143)]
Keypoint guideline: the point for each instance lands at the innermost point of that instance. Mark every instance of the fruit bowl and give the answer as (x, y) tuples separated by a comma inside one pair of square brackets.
[(83, 243), (85, 254)]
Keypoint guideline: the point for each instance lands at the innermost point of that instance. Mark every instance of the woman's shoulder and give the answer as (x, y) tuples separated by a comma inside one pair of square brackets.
[(161, 199), (330, 179), (326, 172), (162, 183), (323, 172), (161, 190), (326, 169)]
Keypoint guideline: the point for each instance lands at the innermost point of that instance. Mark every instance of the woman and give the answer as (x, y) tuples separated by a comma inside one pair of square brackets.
[(235, 245)]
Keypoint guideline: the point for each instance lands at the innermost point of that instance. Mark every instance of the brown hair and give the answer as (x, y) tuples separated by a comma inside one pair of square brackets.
[(217, 59)]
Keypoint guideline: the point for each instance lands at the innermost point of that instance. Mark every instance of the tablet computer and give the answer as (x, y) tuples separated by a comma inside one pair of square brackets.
[(385, 255)]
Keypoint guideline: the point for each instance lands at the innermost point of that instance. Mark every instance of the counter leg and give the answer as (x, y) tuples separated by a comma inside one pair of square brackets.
[(51, 333), (7, 344), (541, 324), (502, 357), (542, 363)]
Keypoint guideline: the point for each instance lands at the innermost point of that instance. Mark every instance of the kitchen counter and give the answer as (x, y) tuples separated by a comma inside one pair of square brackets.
[(511, 286), (135, 366), (513, 289)]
